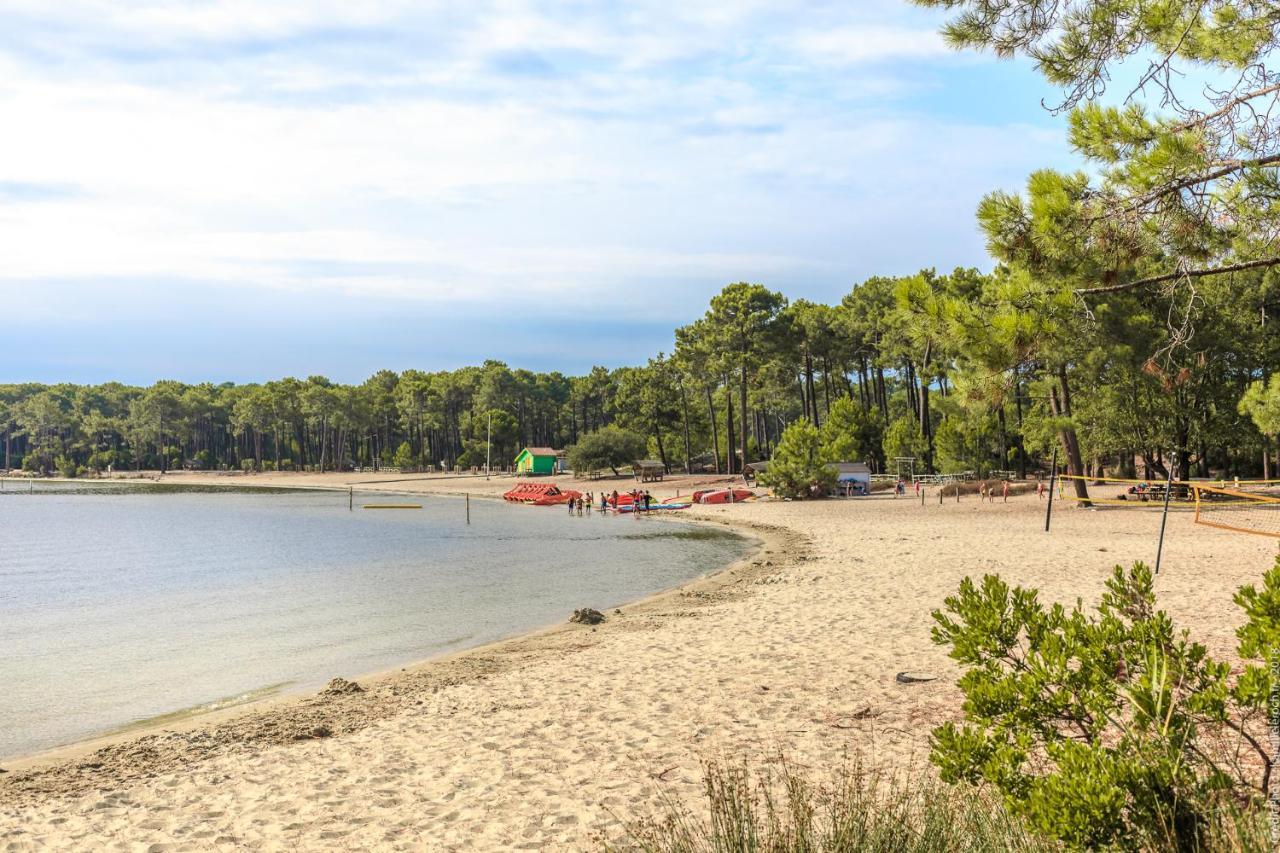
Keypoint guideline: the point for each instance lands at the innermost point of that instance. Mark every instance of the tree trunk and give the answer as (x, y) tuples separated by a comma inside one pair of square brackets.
[(715, 428), (731, 440), (746, 427), (1004, 437), (926, 428), (684, 408), (826, 381), (808, 386), (1060, 404), (1022, 448)]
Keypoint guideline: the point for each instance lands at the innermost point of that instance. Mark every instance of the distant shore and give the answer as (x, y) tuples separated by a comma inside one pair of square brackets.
[(554, 737)]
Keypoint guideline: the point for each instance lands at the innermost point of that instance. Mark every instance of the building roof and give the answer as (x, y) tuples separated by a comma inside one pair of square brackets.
[(849, 468), (648, 463), (541, 451), (758, 467)]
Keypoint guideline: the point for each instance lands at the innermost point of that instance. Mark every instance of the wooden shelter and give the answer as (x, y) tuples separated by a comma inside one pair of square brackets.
[(648, 470)]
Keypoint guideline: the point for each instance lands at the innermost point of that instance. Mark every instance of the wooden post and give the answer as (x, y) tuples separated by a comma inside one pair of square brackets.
[(1053, 477), (922, 496), (351, 499), (468, 507), (1164, 517)]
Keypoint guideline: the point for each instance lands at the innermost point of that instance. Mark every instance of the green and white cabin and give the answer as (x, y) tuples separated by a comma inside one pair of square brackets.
[(534, 461)]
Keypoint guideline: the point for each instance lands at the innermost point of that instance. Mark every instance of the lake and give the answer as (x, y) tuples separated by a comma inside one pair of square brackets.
[(122, 603)]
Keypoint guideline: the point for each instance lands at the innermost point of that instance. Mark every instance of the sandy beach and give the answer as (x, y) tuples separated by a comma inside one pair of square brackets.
[(552, 739)]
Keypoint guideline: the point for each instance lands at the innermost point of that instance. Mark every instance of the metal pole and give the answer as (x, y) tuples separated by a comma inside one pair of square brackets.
[(351, 499), (468, 507), (1164, 517), (488, 447), (1053, 478)]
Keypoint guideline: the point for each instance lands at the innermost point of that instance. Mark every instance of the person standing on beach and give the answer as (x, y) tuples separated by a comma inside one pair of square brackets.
[(570, 506), (1004, 490), (1040, 489), (648, 500), (588, 502)]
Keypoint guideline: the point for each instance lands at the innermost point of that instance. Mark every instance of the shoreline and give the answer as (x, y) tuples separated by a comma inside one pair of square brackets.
[(290, 714)]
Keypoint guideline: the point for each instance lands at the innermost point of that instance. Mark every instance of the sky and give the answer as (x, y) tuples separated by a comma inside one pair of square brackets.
[(237, 191)]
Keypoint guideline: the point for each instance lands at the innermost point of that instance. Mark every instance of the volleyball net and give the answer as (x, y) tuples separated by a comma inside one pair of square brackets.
[(1243, 506), (1254, 510)]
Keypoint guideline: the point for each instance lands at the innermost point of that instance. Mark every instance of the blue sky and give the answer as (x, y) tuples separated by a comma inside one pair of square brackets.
[(243, 190)]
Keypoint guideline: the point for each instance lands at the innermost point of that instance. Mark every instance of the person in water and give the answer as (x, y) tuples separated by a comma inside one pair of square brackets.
[(604, 502), (570, 506)]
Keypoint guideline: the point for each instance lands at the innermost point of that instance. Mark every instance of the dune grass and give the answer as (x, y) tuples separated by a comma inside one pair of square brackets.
[(778, 810)]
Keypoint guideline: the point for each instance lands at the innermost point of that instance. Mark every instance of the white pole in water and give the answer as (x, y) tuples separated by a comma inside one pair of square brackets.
[(488, 447)]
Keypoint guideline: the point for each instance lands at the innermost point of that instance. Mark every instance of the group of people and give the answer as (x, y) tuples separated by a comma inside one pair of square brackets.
[(988, 491), (641, 501), (582, 505)]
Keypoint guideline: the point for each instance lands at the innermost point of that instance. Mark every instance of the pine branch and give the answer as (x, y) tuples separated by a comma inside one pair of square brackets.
[(1230, 167), (1158, 279)]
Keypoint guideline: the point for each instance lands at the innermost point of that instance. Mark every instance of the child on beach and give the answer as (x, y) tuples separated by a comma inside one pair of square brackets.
[(570, 506), (1004, 490), (604, 502), (587, 502), (1040, 489)]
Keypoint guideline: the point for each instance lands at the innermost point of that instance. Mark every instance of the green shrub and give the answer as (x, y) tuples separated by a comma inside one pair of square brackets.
[(799, 467), (1114, 729)]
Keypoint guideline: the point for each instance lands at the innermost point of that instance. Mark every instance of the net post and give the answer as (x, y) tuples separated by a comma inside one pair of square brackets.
[(1053, 477), (1164, 516)]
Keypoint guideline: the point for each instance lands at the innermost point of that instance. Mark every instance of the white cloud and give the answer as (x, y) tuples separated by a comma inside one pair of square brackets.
[(378, 149)]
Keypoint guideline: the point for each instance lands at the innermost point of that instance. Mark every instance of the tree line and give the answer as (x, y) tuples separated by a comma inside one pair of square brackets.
[(958, 371)]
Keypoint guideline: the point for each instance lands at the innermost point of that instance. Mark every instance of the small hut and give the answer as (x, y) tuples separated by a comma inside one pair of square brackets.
[(754, 469), (852, 478), (535, 461), (648, 471)]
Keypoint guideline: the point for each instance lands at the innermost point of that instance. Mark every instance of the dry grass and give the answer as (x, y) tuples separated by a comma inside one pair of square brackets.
[(780, 811)]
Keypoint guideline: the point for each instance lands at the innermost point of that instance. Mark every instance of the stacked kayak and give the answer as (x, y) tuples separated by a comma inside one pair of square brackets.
[(541, 494)]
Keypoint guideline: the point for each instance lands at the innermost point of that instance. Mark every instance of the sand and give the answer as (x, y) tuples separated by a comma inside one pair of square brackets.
[(553, 740)]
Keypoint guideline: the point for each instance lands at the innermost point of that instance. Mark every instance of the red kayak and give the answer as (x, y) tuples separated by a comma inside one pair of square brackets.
[(722, 496)]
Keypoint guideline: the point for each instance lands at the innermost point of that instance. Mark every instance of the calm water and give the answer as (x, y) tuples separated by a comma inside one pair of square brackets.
[(119, 604)]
